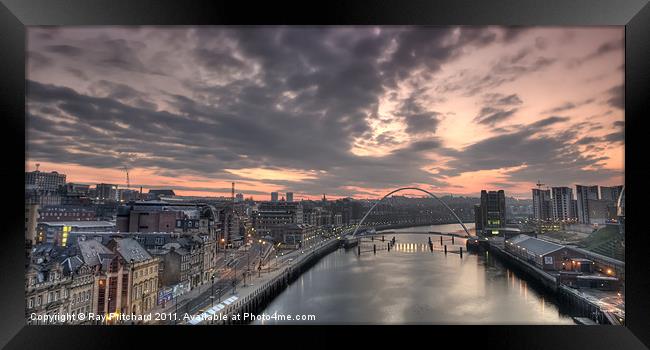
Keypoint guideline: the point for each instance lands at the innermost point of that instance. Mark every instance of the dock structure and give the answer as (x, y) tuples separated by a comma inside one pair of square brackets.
[(583, 304)]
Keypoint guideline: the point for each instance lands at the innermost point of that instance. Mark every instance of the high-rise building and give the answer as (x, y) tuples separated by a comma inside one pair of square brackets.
[(583, 195), (271, 214), (492, 211), (610, 193), (127, 195), (289, 196), (601, 211), (274, 196), (561, 203), (107, 192), (574, 209), (43, 188), (541, 204), (44, 181)]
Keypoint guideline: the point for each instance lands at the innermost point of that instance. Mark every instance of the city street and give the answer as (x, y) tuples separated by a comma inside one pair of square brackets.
[(269, 270)]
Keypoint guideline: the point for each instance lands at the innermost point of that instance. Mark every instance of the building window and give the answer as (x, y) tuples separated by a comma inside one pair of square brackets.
[(31, 302)]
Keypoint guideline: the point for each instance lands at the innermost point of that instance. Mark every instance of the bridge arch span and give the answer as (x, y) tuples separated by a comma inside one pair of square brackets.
[(415, 189)]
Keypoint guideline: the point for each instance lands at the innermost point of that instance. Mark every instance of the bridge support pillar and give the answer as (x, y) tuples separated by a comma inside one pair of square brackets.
[(388, 244), (452, 239), (461, 252), (445, 249), (359, 249), (374, 248), (440, 240)]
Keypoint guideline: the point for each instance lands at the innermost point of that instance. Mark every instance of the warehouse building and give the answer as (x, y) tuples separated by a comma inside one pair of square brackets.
[(542, 254)]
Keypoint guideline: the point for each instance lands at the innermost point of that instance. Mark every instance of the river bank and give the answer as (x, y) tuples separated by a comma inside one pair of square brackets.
[(412, 284)]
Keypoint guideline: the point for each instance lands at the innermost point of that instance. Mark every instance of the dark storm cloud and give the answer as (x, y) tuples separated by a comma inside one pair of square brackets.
[(617, 97), (184, 143), (77, 72), (564, 107), (418, 120), (615, 137), (118, 53), (507, 68), (422, 123), (509, 34), (503, 100), (603, 49), (490, 115), (105, 53), (431, 48), (273, 98), (567, 106), (37, 60), (496, 108), (66, 50), (587, 140), (220, 60), (114, 90), (547, 121), (554, 156), (386, 138)]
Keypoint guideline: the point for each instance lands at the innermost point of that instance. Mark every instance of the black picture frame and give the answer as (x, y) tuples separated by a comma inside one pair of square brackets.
[(633, 14)]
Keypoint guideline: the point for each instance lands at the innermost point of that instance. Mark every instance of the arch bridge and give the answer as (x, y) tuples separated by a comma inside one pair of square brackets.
[(356, 229)]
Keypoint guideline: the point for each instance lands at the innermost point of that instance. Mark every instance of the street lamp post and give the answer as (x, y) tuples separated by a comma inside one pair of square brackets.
[(212, 300)]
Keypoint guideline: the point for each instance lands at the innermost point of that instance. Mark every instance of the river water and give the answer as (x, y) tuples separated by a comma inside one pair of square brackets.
[(410, 284)]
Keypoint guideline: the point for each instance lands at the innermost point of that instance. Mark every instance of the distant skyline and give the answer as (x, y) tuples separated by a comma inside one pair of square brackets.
[(345, 111)]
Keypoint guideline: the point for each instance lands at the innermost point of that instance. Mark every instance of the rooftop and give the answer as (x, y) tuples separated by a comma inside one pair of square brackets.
[(91, 250), (80, 223), (130, 249), (534, 245)]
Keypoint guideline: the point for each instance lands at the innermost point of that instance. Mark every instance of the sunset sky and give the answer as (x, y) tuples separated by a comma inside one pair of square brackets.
[(345, 111)]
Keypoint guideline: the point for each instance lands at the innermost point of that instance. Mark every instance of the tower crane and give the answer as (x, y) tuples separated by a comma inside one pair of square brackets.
[(128, 183)]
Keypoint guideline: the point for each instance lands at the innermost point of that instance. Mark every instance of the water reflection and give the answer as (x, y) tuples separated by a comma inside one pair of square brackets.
[(412, 284)]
